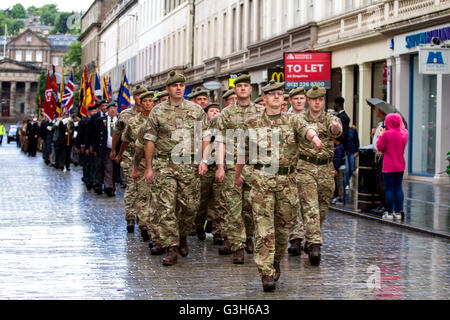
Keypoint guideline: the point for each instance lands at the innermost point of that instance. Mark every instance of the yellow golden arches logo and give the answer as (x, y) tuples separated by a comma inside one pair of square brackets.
[(278, 76)]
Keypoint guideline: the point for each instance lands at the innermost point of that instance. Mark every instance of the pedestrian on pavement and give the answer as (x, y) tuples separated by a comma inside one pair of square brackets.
[(239, 227), (274, 193), (392, 143), (174, 177), (345, 120), (339, 171), (2, 133), (351, 153), (316, 171)]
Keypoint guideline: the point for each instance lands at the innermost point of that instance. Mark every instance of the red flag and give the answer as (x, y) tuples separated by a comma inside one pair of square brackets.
[(49, 112)]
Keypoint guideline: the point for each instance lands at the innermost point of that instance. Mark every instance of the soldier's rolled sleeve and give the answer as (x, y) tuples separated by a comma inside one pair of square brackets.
[(330, 125), (140, 142), (151, 128), (126, 135), (301, 126), (120, 126)]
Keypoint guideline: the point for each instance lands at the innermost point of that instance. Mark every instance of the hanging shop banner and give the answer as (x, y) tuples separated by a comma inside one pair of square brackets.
[(306, 69), (434, 61)]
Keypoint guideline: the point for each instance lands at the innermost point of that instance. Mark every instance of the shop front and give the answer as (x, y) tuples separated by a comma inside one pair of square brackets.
[(423, 99)]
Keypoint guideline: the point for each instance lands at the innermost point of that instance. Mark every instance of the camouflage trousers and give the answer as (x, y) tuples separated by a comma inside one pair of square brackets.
[(176, 199), (238, 220), (142, 202), (209, 210), (129, 196), (299, 228), (275, 205), (316, 187)]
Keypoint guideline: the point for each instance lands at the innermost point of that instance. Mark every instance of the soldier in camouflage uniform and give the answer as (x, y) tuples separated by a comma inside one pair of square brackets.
[(127, 160), (297, 99), (169, 131), (141, 190), (238, 228), (209, 190), (316, 171), (274, 137)]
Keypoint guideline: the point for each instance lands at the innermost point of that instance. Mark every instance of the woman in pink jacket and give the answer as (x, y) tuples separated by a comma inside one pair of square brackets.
[(392, 144)]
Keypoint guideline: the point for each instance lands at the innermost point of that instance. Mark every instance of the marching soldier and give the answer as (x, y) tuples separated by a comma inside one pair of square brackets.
[(174, 178), (209, 192), (316, 171), (229, 97), (274, 194), (238, 226), (129, 196), (200, 97), (141, 193), (297, 99)]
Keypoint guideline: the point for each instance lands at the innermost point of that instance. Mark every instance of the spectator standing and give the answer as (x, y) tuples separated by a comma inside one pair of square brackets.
[(339, 170), (392, 143)]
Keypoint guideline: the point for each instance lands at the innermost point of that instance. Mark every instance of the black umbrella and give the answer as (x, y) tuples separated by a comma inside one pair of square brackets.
[(385, 107)]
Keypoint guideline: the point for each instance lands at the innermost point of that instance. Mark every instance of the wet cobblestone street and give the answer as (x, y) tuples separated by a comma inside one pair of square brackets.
[(60, 241)]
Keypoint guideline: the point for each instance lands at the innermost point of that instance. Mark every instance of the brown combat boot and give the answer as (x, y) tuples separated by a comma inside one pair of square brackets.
[(238, 257), (130, 226), (314, 254), (296, 247), (171, 257), (217, 240), (144, 234), (157, 250), (225, 249), (183, 249), (201, 235), (249, 245), (277, 268), (268, 283)]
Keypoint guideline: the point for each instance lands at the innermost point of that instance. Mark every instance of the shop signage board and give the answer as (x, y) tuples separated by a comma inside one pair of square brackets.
[(306, 69), (434, 60)]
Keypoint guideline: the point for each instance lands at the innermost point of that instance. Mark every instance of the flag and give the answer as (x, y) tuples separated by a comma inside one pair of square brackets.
[(88, 98), (54, 85), (123, 101), (49, 112), (105, 89), (67, 99), (83, 108), (41, 111), (110, 93), (98, 89), (60, 95)]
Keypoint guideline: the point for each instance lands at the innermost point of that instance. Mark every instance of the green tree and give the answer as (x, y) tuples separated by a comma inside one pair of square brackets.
[(18, 11), (13, 25), (48, 14), (33, 11), (41, 89), (73, 57), (61, 23)]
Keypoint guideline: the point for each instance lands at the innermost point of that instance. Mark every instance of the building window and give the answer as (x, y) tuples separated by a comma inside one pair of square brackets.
[(423, 125), (39, 56), (19, 55), (55, 61), (29, 56)]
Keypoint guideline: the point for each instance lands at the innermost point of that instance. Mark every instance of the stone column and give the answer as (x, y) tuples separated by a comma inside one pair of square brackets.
[(365, 112), (12, 100), (27, 108), (347, 90), (442, 129)]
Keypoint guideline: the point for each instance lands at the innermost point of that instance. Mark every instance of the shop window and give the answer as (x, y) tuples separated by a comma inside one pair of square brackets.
[(422, 131), (379, 86)]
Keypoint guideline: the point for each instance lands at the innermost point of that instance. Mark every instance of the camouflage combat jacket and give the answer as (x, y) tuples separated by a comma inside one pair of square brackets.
[(131, 133)]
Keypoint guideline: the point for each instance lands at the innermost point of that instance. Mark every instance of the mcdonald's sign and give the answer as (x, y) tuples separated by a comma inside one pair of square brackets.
[(276, 74)]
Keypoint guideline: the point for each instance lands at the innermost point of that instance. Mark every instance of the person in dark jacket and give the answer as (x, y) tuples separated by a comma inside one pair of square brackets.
[(84, 140), (351, 153), (345, 120), (103, 144), (32, 137), (339, 171)]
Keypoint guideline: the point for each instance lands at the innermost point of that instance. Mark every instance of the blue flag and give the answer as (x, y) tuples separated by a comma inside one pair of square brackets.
[(124, 101), (98, 89)]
